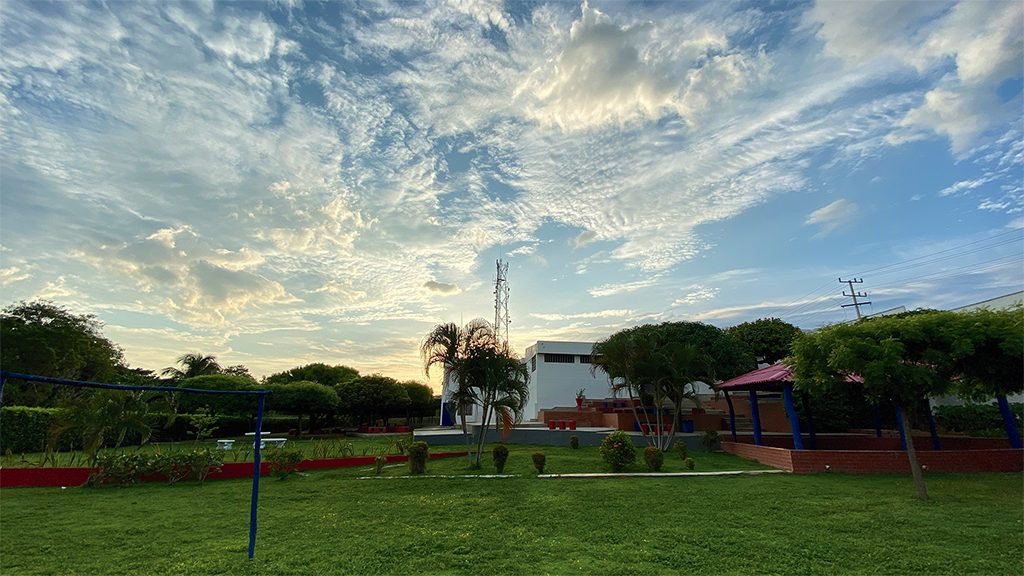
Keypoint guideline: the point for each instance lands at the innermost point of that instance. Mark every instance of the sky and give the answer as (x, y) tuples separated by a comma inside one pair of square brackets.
[(296, 182)]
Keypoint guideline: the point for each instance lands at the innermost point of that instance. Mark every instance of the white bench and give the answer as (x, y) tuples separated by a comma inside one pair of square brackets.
[(227, 444), (264, 440)]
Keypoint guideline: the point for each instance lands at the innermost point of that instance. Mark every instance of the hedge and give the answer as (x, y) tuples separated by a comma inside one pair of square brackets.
[(981, 419), (26, 429)]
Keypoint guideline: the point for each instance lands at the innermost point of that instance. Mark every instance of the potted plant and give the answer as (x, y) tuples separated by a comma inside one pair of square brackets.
[(580, 397)]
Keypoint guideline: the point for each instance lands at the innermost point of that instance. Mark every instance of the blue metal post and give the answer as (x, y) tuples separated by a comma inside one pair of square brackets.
[(755, 416), (255, 477), (806, 400), (1009, 422), (936, 444), (899, 426), (794, 419), (877, 414), (732, 416)]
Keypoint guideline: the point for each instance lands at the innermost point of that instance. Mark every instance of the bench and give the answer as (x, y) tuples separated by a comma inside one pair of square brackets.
[(225, 444), (264, 440)]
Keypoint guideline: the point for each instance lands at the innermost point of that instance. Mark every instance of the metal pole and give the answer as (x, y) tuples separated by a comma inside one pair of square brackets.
[(899, 425), (794, 419), (936, 444), (755, 416), (1009, 422), (732, 416), (255, 478)]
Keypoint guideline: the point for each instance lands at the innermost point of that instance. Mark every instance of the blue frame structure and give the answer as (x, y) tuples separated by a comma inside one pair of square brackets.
[(261, 394)]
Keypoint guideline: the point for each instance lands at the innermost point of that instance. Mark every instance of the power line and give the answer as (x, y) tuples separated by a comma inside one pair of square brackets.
[(854, 294), (954, 248)]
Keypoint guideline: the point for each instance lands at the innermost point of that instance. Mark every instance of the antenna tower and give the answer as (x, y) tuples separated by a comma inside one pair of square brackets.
[(501, 319)]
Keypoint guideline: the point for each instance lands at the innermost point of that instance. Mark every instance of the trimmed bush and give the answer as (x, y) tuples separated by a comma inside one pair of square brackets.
[(689, 463), (378, 464), (574, 442), (539, 461), (500, 456), (654, 458), (418, 457), (710, 440), (618, 451), (682, 450), (24, 429), (127, 468)]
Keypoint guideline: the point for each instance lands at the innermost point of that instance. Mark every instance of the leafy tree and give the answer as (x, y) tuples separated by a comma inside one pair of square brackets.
[(369, 398), (770, 339), (45, 339), (301, 398), (96, 415), (902, 359), (421, 400), (660, 364), (989, 354), (238, 370), (192, 365), (317, 372), (479, 370)]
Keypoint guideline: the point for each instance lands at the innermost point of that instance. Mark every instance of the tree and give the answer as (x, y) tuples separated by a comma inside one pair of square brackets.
[(192, 364), (45, 339), (373, 397), (421, 400), (769, 339), (659, 365), (989, 356), (479, 370), (95, 415), (317, 372), (238, 370), (902, 359), (301, 398)]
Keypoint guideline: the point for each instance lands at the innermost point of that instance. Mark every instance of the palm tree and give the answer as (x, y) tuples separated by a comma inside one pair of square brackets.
[(193, 364), (478, 371)]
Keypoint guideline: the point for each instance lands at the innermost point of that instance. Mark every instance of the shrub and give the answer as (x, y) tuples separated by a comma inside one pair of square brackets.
[(975, 419), (688, 463), (682, 450), (500, 455), (418, 457), (710, 440), (194, 465), (378, 464), (654, 458), (122, 469), (618, 451), (539, 460), (283, 461), (24, 429), (574, 442)]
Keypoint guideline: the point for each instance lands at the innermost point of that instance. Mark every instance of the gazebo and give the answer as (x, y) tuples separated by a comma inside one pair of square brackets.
[(775, 378)]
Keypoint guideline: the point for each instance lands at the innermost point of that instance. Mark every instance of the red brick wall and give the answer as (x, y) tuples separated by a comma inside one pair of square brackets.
[(880, 461), (775, 457)]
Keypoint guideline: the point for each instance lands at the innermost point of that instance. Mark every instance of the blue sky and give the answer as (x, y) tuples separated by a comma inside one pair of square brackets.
[(294, 182)]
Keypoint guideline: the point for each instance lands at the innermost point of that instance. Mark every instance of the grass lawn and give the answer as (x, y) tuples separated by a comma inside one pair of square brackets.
[(334, 522)]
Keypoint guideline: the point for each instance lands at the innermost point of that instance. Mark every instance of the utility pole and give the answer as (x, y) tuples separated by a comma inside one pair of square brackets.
[(853, 294)]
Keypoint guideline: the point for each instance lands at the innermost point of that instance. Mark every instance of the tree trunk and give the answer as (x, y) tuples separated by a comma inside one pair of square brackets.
[(465, 432), (915, 469)]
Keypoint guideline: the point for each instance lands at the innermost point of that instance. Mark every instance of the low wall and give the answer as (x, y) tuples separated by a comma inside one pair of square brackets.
[(54, 477), (880, 461), (887, 442)]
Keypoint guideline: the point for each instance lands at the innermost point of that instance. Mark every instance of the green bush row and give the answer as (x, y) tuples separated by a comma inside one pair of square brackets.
[(26, 429), (127, 468), (975, 419)]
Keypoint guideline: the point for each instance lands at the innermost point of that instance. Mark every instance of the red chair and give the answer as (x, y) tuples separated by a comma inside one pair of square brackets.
[(572, 424), (561, 424), (551, 424)]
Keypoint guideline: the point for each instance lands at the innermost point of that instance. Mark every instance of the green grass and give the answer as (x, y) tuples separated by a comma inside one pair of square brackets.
[(331, 522)]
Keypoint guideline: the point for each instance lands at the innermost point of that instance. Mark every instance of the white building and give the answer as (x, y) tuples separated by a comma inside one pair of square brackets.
[(557, 371)]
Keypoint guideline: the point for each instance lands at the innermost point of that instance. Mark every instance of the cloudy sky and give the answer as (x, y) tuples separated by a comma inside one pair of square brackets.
[(298, 181)]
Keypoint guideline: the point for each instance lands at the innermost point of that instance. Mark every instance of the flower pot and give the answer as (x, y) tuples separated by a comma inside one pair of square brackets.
[(572, 424), (579, 404), (551, 424)]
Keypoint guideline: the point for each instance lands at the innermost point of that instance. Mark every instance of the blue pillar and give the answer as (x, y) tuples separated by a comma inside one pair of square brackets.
[(755, 416), (899, 426), (877, 415), (255, 477), (1009, 422), (936, 444), (794, 419), (806, 400), (732, 416)]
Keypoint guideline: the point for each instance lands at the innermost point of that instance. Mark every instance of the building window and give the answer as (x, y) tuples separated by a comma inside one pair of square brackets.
[(584, 358), (466, 410), (560, 358), (533, 363)]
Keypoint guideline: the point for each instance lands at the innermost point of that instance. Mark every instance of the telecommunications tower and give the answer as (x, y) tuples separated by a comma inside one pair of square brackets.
[(501, 319)]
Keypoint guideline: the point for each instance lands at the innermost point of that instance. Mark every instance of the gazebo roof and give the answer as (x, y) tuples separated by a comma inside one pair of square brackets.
[(767, 378)]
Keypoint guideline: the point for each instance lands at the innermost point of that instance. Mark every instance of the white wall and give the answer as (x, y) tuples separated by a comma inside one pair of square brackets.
[(555, 384)]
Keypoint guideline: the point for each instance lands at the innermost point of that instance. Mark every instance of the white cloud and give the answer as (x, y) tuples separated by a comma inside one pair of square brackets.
[(614, 313), (697, 294), (442, 288), (833, 217)]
